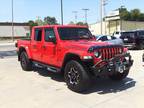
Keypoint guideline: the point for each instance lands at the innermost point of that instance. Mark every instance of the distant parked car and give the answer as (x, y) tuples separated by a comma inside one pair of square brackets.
[(133, 39), (110, 39), (117, 34)]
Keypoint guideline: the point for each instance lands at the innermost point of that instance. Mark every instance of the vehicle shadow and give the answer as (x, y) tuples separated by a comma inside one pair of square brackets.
[(54, 76), (100, 85), (105, 86)]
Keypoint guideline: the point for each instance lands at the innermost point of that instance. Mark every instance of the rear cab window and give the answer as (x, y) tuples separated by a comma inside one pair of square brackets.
[(128, 35), (38, 35)]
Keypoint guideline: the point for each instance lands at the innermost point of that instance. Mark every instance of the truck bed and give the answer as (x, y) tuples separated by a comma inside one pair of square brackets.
[(24, 42)]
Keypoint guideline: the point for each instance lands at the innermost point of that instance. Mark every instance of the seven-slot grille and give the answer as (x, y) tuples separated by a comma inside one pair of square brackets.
[(108, 53)]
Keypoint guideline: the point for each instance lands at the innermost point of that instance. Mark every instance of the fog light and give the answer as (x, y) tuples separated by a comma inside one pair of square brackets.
[(87, 57)]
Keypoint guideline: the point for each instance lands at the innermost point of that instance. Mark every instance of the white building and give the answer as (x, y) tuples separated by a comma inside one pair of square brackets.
[(113, 23), (20, 29), (110, 25)]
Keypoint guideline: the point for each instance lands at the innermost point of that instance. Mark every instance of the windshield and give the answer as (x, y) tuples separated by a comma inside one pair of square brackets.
[(74, 33)]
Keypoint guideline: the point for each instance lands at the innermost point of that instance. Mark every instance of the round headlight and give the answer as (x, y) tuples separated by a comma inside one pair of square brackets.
[(97, 54)]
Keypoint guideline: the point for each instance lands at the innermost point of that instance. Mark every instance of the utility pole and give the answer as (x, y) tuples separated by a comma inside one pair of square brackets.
[(104, 12), (120, 10), (121, 21), (12, 21), (85, 10), (101, 15), (61, 12), (75, 12)]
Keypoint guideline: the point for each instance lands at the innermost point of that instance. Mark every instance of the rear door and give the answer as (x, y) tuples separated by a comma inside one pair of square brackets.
[(49, 47), (36, 45)]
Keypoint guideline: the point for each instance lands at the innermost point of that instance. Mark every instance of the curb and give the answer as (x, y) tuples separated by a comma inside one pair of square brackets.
[(3, 44)]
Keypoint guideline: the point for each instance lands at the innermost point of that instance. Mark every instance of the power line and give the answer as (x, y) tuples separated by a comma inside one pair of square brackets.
[(75, 12), (85, 10)]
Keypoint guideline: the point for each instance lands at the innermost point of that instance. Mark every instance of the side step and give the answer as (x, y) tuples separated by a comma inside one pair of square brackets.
[(49, 68)]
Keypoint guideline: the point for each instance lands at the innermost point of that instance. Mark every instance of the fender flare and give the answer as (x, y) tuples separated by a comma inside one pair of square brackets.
[(26, 49)]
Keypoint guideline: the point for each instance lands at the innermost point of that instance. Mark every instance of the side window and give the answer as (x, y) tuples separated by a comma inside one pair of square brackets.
[(49, 34), (38, 35), (113, 38), (104, 38)]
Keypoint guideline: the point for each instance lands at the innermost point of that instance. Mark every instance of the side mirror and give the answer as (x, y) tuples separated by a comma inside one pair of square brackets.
[(53, 40)]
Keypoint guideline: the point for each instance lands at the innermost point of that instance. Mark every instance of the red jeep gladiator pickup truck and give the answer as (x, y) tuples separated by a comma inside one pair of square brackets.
[(73, 51)]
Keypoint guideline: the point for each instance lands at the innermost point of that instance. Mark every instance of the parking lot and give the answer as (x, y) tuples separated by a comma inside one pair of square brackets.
[(42, 89)]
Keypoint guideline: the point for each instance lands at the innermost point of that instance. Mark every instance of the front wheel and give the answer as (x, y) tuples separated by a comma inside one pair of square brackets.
[(119, 76), (26, 64), (76, 76)]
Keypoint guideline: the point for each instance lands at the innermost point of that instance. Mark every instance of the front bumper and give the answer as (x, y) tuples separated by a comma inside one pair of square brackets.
[(113, 65), (130, 45)]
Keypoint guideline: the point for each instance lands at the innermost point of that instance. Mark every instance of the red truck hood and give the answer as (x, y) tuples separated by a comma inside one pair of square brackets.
[(84, 44)]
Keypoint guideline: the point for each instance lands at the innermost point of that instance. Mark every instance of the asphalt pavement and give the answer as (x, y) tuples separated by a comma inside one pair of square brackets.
[(43, 89), (7, 49)]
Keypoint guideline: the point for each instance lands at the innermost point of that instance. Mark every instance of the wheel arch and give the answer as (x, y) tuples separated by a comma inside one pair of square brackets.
[(68, 57), (23, 49)]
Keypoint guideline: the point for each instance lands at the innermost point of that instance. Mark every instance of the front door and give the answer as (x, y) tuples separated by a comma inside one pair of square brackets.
[(49, 47)]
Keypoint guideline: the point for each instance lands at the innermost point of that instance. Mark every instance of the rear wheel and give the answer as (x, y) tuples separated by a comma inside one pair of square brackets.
[(119, 76), (76, 76), (26, 64)]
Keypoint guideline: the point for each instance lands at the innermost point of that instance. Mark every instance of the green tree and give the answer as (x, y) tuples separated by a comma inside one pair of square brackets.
[(124, 14), (39, 22), (135, 14), (32, 24), (71, 23), (82, 24), (141, 17), (50, 20)]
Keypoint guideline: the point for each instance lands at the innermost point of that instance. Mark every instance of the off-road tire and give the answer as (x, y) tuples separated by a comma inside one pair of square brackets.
[(119, 76), (83, 78), (26, 64)]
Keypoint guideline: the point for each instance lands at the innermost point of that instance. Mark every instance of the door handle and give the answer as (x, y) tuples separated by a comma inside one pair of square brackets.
[(44, 47), (34, 46)]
